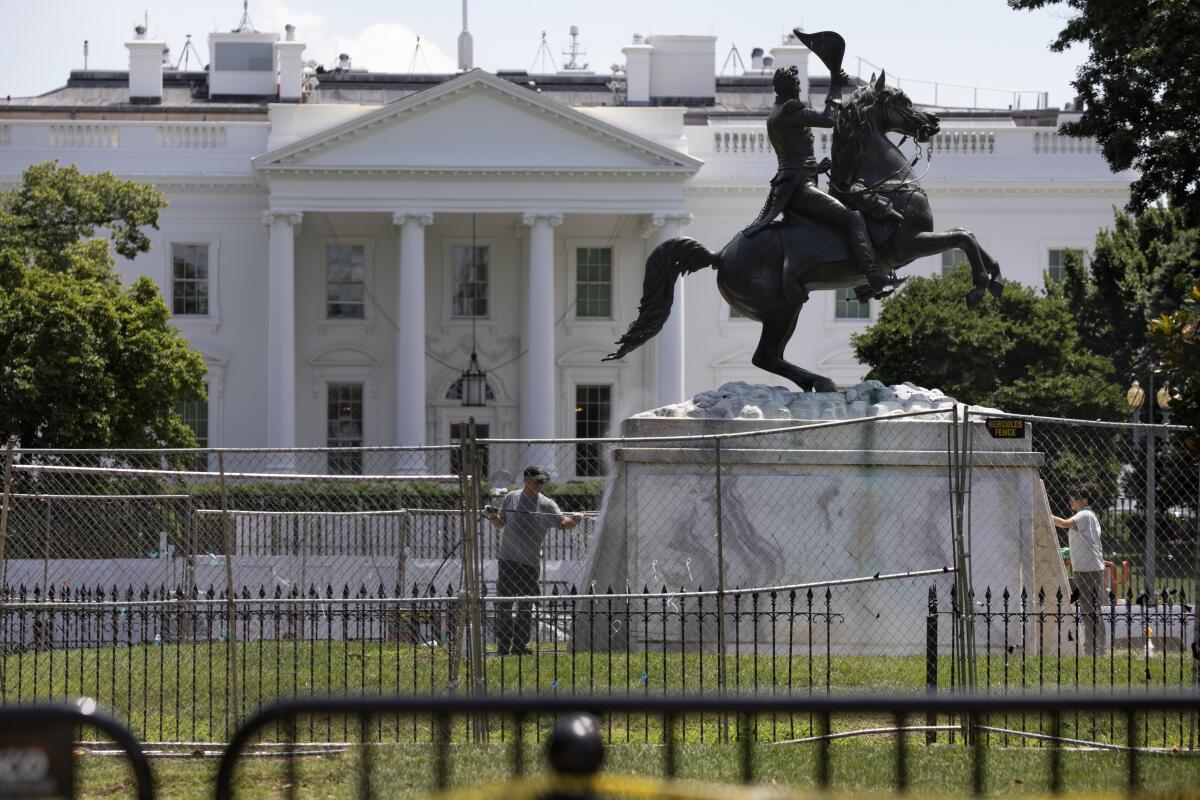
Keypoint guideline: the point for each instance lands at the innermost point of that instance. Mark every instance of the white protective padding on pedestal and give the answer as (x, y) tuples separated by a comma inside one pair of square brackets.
[(841, 502)]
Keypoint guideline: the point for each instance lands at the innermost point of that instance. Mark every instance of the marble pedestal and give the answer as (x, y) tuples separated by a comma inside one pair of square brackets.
[(842, 502)]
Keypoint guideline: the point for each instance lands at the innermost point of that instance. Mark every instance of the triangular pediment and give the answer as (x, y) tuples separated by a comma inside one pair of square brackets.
[(477, 123)]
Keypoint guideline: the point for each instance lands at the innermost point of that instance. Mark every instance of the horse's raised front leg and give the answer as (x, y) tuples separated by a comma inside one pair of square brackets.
[(776, 331), (985, 272)]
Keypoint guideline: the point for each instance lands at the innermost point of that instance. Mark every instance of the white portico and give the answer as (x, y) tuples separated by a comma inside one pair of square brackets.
[(473, 161)]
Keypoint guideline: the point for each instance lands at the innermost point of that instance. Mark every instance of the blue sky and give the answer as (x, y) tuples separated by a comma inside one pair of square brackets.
[(969, 42)]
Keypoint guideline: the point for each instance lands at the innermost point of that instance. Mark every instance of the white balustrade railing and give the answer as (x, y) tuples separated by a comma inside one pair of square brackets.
[(1053, 143), (741, 140), (193, 137), (751, 141), (964, 143), (85, 135)]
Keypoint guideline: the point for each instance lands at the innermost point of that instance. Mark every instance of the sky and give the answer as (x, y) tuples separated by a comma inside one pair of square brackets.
[(970, 43)]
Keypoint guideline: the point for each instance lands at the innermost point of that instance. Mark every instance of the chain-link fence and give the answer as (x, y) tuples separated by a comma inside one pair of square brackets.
[(907, 552)]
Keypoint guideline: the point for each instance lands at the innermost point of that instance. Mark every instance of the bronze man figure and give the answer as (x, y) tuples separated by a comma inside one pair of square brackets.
[(794, 188)]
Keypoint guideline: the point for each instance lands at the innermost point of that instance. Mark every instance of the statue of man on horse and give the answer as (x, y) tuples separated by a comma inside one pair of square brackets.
[(794, 189), (823, 241)]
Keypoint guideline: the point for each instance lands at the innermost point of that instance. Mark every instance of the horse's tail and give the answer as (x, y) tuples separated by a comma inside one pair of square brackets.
[(669, 260)]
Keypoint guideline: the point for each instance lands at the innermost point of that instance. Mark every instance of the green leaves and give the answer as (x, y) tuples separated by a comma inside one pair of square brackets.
[(1175, 342), (86, 361), (1020, 353), (1142, 98)]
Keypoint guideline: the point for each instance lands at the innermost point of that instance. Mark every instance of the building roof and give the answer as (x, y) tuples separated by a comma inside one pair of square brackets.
[(105, 93)]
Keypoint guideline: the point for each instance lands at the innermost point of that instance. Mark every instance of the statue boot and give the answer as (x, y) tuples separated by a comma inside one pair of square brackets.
[(882, 283)]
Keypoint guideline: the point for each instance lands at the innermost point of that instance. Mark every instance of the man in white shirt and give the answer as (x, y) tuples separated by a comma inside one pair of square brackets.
[(1087, 564)]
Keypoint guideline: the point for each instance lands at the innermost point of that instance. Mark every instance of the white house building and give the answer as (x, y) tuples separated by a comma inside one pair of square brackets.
[(337, 245)]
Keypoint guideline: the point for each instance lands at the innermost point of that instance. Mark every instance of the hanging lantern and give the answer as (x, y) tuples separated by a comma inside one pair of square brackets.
[(474, 384)]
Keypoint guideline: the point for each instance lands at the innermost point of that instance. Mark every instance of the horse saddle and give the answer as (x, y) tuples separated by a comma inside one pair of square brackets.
[(816, 255)]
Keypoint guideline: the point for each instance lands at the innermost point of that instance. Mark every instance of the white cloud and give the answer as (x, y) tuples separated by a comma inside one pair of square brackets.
[(391, 47), (381, 47)]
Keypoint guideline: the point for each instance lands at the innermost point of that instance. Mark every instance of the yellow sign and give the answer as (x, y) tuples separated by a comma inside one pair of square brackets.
[(1006, 428)]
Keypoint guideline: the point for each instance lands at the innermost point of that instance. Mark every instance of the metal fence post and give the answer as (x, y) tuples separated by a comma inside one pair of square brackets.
[(722, 673), (473, 569), (230, 597), (931, 660), (959, 462), (1150, 569), (189, 572), (8, 463), (1195, 716)]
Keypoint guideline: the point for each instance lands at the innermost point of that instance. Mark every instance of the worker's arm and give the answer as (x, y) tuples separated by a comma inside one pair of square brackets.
[(494, 516), (569, 521), (1062, 523)]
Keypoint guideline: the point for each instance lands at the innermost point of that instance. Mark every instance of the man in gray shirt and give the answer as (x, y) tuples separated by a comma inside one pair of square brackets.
[(524, 515)]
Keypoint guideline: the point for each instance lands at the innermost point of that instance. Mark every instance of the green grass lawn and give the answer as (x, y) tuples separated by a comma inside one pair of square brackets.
[(182, 692), (858, 765)]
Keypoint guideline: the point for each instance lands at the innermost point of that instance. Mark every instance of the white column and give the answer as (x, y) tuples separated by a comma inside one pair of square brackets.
[(537, 391), (670, 338), (281, 328), (410, 379)]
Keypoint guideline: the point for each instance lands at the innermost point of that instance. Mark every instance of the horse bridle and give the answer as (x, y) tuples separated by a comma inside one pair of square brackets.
[(921, 152)]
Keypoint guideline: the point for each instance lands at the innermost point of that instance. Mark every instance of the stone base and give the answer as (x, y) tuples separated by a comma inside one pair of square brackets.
[(853, 501)]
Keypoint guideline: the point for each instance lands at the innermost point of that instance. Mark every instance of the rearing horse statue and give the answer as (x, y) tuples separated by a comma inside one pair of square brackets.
[(768, 277)]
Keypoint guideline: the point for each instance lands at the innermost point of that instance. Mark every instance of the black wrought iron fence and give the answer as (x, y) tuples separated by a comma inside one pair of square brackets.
[(889, 729), (164, 660)]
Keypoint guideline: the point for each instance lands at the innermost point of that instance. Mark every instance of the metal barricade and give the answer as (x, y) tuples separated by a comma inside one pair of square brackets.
[(978, 720), (37, 749)]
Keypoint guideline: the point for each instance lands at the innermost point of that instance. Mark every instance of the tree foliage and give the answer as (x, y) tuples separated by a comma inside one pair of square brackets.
[(1020, 353), (1140, 269), (1176, 344), (1142, 100), (84, 360)]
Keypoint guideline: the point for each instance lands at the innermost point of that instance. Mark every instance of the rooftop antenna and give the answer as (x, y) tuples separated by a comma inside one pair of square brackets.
[(466, 45), (245, 24), (412, 63), (734, 59), (85, 54), (543, 53), (573, 52), (189, 50)]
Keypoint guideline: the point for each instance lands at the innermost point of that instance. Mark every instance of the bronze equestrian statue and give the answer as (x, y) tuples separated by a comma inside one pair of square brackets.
[(767, 270), (794, 189)]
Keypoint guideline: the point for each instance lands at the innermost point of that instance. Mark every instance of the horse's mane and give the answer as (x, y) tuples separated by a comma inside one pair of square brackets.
[(850, 139)]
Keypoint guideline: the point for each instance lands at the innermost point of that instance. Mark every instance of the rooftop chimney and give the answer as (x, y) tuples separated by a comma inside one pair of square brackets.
[(756, 59), (466, 45), (289, 56), (637, 71), (145, 68)]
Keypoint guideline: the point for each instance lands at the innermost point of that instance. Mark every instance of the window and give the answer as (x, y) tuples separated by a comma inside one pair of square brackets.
[(850, 307), (344, 419), (345, 289), (470, 281), (195, 416), (189, 279), (593, 282), (1056, 263), (952, 259), (593, 412), (482, 431), (244, 56)]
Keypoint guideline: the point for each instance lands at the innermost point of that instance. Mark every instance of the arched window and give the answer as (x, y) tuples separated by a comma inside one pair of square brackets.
[(455, 391)]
